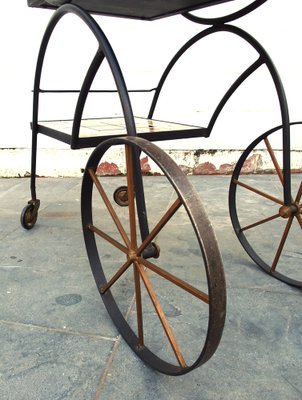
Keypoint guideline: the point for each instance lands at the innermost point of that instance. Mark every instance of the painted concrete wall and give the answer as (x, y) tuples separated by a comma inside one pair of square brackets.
[(144, 49)]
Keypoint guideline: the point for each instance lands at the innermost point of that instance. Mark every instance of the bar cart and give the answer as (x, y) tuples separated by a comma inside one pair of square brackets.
[(177, 335)]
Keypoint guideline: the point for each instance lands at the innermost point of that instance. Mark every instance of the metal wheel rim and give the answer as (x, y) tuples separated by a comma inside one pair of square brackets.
[(214, 270), (235, 220)]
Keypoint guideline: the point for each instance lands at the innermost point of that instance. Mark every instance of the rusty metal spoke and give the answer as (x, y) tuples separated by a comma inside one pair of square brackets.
[(162, 316), (177, 281), (299, 194), (282, 243), (262, 221), (299, 219), (131, 194), (116, 276), (297, 201), (274, 160), (139, 309), (260, 192), (160, 225), (109, 239), (109, 207)]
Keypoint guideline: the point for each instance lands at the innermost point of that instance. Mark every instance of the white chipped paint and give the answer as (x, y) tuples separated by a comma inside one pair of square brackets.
[(68, 163)]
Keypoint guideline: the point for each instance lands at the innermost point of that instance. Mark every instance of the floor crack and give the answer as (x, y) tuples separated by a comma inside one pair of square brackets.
[(56, 330), (110, 360)]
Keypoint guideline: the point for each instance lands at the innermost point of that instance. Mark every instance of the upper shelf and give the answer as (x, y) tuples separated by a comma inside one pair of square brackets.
[(140, 9)]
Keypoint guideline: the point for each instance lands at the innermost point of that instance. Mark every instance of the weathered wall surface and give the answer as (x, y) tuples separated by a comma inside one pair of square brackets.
[(144, 49), (59, 162)]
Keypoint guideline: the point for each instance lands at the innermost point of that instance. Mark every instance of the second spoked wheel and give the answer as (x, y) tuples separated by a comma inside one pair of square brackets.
[(268, 229), (156, 262)]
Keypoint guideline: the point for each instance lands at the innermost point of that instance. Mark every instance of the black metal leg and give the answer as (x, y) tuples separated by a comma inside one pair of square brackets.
[(33, 166), (150, 250), (29, 214)]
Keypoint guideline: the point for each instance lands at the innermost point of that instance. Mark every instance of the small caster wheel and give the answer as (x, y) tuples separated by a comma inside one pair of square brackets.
[(120, 196), (29, 214)]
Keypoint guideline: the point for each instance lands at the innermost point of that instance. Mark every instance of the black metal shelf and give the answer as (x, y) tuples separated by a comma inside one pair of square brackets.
[(95, 130)]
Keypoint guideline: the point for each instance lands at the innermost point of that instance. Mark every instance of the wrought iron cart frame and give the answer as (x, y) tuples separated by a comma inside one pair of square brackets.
[(136, 142)]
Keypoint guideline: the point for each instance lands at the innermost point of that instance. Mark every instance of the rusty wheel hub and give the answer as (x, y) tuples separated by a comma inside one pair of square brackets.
[(289, 211)]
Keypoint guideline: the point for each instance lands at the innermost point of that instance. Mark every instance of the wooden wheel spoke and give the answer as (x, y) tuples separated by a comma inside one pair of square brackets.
[(274, 160), (109, 207), (260, 192), (282, 243), (177, 281), (160, 225), (109, 239), (262, 221), (116, 276), (162, 316)]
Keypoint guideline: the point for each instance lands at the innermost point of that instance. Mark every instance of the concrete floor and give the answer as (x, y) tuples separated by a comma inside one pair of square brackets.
[(57, 341)]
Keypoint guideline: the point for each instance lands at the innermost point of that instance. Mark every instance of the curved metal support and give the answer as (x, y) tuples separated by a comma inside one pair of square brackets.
[(227, 18), (248, 72), (106, 50), (93, 69), (282, 102), (264, 58), (171, 64)]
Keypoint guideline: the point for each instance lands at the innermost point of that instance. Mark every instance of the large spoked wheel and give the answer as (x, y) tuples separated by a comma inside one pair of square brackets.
[(166, 292), (269, 231)]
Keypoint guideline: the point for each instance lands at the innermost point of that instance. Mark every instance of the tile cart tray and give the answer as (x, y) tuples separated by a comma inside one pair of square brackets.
[(95, 130)]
